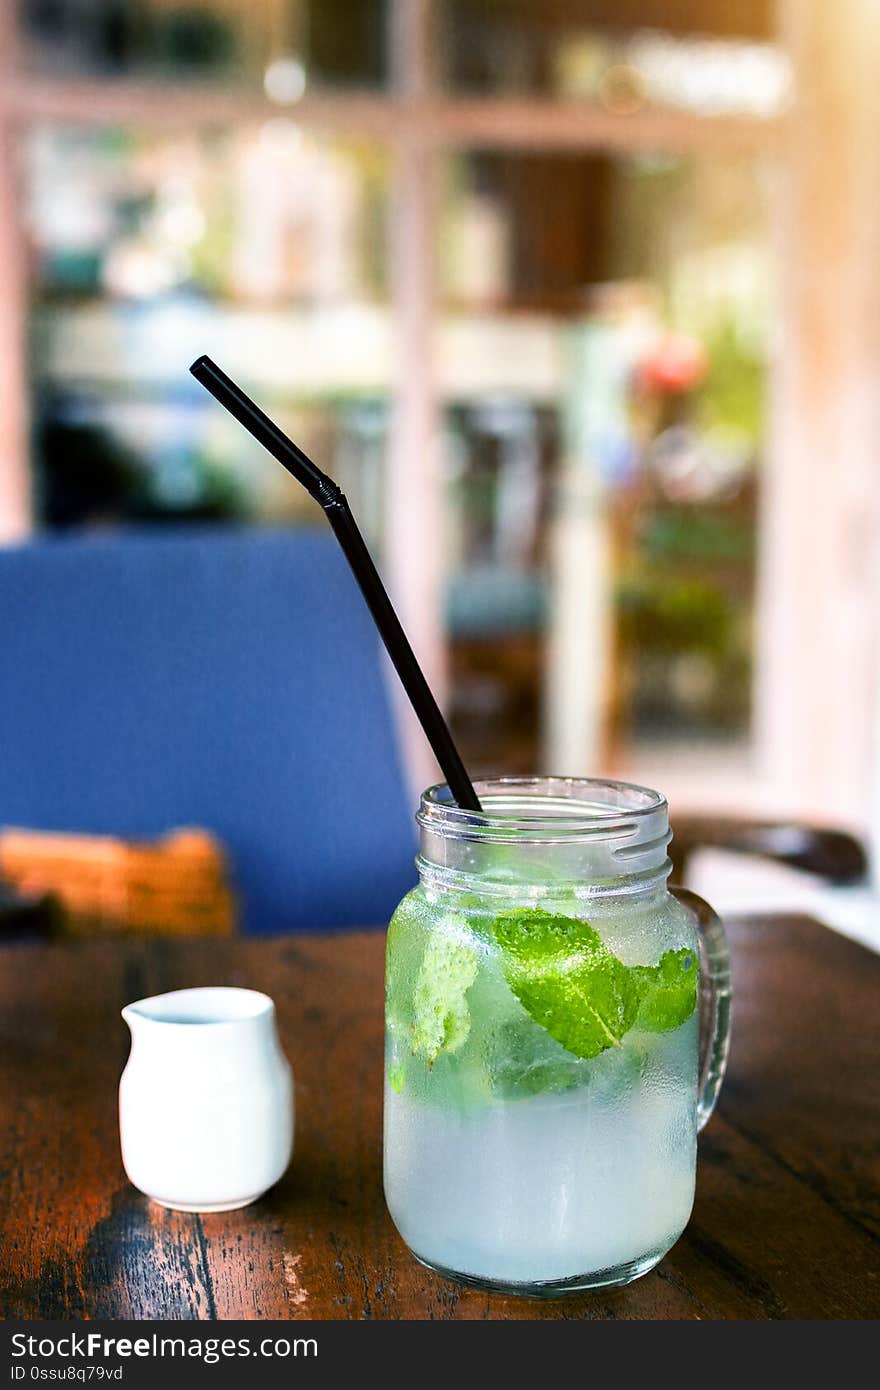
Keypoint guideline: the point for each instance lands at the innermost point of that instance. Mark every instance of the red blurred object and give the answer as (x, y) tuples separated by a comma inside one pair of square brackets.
[(677, 364)]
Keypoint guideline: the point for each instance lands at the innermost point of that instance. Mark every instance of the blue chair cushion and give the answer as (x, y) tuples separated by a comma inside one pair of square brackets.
[(222, 678)]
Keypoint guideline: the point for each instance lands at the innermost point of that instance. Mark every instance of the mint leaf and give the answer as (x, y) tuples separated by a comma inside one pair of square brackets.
[(441, 1019), (396, 1077), (567, 980), (668, 991)]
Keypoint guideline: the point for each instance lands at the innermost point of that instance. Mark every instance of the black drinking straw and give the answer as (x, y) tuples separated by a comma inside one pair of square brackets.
[(332, 500)]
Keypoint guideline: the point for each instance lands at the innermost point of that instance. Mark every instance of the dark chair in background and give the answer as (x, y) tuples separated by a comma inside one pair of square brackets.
[(230, 680), (832, 855)]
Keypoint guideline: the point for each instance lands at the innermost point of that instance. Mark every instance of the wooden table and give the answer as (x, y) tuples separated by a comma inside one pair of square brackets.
[(786, 1222)]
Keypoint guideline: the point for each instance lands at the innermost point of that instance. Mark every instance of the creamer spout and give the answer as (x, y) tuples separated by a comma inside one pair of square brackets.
[(133, 1016)]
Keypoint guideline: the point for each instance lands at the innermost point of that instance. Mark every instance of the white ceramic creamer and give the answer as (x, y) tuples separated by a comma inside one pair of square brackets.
[(206, 1098)]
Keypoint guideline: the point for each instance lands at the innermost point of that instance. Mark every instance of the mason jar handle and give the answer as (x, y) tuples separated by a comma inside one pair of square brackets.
[(714, 1000)]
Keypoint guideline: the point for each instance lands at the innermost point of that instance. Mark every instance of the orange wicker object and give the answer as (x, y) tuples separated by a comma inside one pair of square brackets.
[(177, 885)]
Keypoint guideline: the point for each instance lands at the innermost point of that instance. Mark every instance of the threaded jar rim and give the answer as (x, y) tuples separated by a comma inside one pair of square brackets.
[(549, 810)]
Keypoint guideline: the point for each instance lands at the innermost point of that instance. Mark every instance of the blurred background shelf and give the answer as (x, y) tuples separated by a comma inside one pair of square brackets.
[(291, 352)]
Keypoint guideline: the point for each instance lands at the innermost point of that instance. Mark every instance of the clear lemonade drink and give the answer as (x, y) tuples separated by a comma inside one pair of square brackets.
[(541, 1105)]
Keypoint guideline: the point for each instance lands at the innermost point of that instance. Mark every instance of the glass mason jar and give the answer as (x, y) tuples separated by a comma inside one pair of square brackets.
[(544, 998)]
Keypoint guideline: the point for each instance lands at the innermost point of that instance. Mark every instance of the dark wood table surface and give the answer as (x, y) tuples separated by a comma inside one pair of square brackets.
[(787, 1215)]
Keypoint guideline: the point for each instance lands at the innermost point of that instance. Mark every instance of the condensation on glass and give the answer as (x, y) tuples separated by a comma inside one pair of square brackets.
[(543, 1086)]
